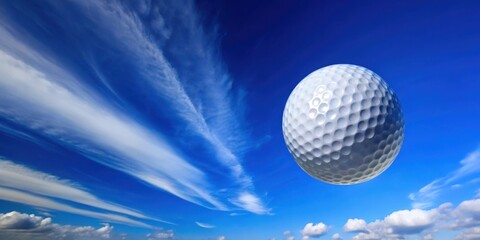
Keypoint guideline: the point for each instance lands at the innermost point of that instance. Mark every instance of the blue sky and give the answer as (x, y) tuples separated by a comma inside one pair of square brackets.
[(162, 119)]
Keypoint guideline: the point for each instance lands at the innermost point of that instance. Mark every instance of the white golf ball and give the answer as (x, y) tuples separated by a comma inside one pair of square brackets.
[(343, 124)]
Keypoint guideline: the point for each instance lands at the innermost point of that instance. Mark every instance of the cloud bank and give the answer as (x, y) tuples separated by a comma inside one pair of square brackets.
[(15, 225), (462, 220), (400, 224), (161, 234)]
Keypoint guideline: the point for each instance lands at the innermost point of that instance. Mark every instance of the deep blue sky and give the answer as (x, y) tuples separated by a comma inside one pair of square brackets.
[(162, 119)]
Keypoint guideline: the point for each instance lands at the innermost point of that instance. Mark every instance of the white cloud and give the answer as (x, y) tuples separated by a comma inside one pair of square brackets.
[(428, 236), (22, 178), (15, 225), (394, 226), (467, 214), (87, 123), (469, 165), (161, 235), (251, 203), (426, 196), (470, 207), (423, 223), (210, 114), (336, 236), (34, 200), (222, 238), (131, 148), (314, 230), (377, 230), (355, 225), (469, 234), (411, 221), (288, 235), (15, 220), (204, 225), (19, 134)]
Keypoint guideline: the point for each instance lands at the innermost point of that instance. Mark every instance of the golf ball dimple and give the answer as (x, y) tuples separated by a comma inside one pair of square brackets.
[(343, 125)]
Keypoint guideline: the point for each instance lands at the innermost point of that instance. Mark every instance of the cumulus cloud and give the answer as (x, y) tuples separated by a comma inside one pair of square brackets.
[(394, 226), (469, 234), (314, 230), (355, 225), (467, 214), (426, 196), (288, 235), (377, 230), (336, 236), (428, 236), (222, 238), (411, 221), (15, 225), (470, 207), (423, 223), (161, 235)]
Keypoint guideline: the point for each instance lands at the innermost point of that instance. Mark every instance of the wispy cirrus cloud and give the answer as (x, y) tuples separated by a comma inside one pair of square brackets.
[(426, 196), (12, 195), (187, 76), (204, 225), (96, 130), (197, 86), (21, 178)]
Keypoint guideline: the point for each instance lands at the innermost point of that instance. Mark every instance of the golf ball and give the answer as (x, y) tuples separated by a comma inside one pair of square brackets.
[(343, 124)]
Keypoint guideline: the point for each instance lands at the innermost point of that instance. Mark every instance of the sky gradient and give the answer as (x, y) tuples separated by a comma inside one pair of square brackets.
[(162, 119)]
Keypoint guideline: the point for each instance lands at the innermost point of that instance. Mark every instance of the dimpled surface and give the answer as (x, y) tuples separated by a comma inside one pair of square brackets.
[(343, 125)]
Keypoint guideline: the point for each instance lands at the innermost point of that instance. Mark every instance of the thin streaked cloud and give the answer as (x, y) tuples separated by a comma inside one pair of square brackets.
[(12, 195), (22, 178), (213, 114), (205, 225), (98, 128), (427, 195)]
